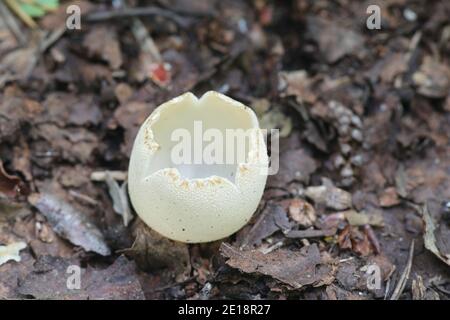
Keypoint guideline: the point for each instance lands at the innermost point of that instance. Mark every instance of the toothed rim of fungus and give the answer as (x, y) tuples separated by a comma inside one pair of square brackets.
[(196, 202)]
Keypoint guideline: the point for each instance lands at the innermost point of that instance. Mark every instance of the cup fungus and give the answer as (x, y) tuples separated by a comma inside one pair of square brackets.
[(210, 197)]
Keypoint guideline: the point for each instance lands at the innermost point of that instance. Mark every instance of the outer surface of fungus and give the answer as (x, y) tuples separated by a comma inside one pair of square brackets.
[(196, 202)]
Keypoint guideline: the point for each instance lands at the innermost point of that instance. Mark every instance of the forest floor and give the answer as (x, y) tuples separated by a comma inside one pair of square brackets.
[(363, 191)]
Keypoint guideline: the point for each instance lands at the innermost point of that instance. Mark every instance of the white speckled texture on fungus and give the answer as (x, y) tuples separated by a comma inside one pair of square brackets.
[(196, 203)]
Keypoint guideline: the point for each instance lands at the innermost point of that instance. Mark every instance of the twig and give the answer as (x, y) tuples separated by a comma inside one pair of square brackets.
[(11, 23), (21, 14), (388, 286), (145, 41), (294, 234), (83, 197), (405, 275), (138, 12), (273, 247), (47, 41), (101, 175), (372, 238)]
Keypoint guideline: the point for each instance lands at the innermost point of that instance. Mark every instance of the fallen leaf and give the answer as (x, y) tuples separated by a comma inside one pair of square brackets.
[(389, 197), (152, 252), (271, 219), (372, 238), (337, 293), (334, 41), (130, 116), (119, 196), (311, 233), (330, 196), (16, 64), (102, 43), (50, 279), (275, 119), (394, 64), (74, 144), (360, 219), (123, 92), (302, 212), (11, 210), (421, 292), (429, 236), (11, 186), (433, 79), (297, 84), (12, 273), (69, 223), (297, 269), (21, 161), (353, 239), (295, 165), (11, 252)]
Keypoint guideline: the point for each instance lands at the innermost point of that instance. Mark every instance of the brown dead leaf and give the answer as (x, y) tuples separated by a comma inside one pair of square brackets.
[(334, 41), (359, 219), (72, 144), (297, 84), (394, 64), (130, 116), (11, 186), (64, 108), (22, 159), (302, 212), (12, 273), (102, 43), (152, 252), (295, 165), (330, 196), (123, 92), (51, 275), (431, 236), (271, 219), (275, 119), (307, 267), (70, 223), (15, 111), (16, 64), (433, 79), (353, 239), (389, 197), (353, 273)]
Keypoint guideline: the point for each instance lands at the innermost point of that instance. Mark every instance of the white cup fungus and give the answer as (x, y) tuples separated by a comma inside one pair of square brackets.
[(197, 202)]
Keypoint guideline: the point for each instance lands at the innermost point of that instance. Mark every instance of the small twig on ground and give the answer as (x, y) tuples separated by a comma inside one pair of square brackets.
[(145, 41), (101, 175), (83, 197), (11, 23), (273, 247), (388, 286), (294, 234), (405, 275), (372, 238), (13, 4), (47, 41), (138, 12)]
